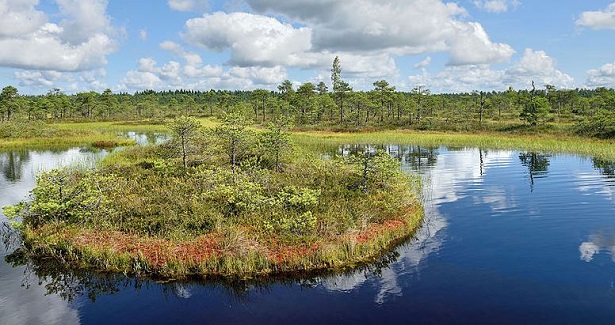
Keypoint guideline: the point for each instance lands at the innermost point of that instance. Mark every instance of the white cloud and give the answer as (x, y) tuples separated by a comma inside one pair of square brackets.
[(423, 64), (366, 34), (44, 79), (143, 34), (81, 40), (601, 19), (403, 27), (537, 66), (140, 80), (602, 77), (259, 75), (188, 5), (533, 65), (497, 6), (253, 39), (471, 45), (193, 75), (20, 18)]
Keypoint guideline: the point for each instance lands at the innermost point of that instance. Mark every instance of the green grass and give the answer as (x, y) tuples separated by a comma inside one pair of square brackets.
[(604, 149), (143, 212), (65, 141), (126, 126), (101, 134)]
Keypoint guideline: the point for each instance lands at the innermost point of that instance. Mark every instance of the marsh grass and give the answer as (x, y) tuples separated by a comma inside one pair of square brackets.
[(141, 211), (604, 149)]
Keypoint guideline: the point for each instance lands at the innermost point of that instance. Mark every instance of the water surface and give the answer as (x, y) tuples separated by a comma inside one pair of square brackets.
[(509, 237)]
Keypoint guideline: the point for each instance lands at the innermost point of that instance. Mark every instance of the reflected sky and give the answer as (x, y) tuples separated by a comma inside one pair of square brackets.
[(17, 304), (495, 245), (602, 241), (446, 176)]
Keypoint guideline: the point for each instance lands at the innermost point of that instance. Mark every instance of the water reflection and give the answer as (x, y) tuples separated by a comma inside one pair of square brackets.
[(35, 305), (12, 162), (427, 240), (461, 260), (606, 168), (601, 241), (537, 165), (145, 138), (412, 158)]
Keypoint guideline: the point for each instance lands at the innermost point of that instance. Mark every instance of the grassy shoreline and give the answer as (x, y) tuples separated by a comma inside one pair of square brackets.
[(205, 257), (149, 211), (544, 142), (604, 149), (240, 251)]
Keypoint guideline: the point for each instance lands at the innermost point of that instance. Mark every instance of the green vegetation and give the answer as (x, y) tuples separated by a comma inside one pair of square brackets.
[(570, 112), (223, 201), (229, 194), (38, 134), (545, 142)]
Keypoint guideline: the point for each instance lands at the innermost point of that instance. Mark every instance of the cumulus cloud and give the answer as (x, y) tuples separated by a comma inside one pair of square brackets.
[(471, 45), (602, 77), (80, 40), (188, 5), (496, 6), (533, 65), (20, 18), (600, 19), (253, 39), (44, 79), (537, 66), (403, 27), (366, 34), (192, 74), (424, 63)]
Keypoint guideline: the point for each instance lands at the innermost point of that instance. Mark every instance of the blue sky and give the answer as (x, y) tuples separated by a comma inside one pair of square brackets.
[(79, 45)]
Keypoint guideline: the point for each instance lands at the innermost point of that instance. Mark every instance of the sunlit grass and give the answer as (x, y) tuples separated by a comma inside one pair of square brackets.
[(604, 149), (65, 141)]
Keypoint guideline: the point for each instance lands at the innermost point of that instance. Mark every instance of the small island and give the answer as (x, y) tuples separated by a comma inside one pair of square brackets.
[(225, 201)]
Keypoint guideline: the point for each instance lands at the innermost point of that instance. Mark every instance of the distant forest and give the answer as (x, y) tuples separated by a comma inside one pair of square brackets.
[(589, 112)]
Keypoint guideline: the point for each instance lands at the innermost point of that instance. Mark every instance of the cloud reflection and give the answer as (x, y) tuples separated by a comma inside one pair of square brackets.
[(597, 243), (444, 180)]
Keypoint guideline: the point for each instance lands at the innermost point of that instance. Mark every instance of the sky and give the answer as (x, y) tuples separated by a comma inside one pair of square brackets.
[(445, 46)]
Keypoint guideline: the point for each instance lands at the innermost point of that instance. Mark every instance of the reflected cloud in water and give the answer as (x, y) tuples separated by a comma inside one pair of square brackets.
[(449, 175), (445, 177), (596, 243), (35, 305)]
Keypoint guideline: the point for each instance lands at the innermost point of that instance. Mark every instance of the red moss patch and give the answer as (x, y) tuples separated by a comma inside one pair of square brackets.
[(156, 252)]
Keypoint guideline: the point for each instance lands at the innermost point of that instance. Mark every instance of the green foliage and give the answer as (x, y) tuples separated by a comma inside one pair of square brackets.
[(20, 129), (274, 142), (601, 125), (63, 195), (377, 170), (292, 211), (536, 108), (184, 130), (235, 136)]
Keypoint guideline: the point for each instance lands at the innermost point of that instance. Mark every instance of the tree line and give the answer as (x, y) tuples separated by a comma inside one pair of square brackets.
[(316, 106)]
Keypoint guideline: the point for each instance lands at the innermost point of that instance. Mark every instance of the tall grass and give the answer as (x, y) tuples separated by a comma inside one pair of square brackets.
[(604, 149)]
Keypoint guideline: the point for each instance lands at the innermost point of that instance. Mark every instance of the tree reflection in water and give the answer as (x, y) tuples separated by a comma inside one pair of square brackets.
[(69, 283), (12, 162), (606, 168), (537, 165)]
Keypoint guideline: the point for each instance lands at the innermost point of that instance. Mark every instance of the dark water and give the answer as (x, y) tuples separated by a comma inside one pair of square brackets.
[(509, 237)]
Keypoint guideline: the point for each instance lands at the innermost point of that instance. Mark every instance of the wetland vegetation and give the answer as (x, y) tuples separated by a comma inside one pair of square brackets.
[(230, 195), (223, 201)]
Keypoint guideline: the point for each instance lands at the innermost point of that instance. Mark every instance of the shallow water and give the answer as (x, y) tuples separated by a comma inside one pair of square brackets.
[(509, 237)]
